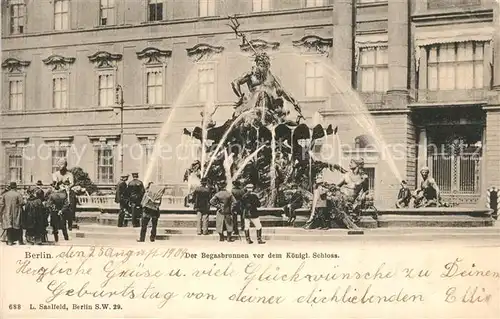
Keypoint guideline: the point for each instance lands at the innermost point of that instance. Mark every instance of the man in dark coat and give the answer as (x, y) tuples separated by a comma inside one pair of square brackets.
[(136, 191), (295, 201), (122, 198), (223, 201), (34, 218), (39, 192), (250, 203), (238, 193), (11, 207), (201, 201), (58, 206)]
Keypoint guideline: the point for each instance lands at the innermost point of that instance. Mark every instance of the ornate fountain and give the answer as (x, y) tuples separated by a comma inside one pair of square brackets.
[(260, 144)]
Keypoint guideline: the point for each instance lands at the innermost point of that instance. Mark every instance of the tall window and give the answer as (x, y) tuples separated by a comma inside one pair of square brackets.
[(15, 173), (455, 66), (206, 82), (16, 95), (17, 16), (260, 5), (314, 79), (57, 154), (106, 89), (374, 70), (314, 3), (107, 12), (61, 15), (154, 86), (155, 10), (207, 8), (105, 165), (60, 92)]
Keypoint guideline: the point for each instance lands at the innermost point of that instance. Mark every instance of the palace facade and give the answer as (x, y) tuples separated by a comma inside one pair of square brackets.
[(427, 72)]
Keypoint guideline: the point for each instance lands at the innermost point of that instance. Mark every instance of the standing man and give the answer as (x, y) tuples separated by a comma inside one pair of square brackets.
[(238, 193), (201, 201), (136, 193), (250, 203), (223, 201), (319, 213), (11, 206), (34, 218), (39, 192), (122, 198), (150, 211)]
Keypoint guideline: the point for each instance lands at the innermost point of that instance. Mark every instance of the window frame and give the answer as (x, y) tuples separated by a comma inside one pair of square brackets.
[(315, 78), (267, 2), (103, 72), (17, 151), (65, 76), (23, 18), (68, 16), (438, 65), (148, 69), (54, 160), (108, 9), (315, 5), (375, 67), (17, 78), (210, 4), (148, 12), (214, 68), (112, 166)]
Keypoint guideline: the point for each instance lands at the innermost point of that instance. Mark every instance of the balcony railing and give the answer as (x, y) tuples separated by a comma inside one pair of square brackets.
[(450, 96), (108, 202)]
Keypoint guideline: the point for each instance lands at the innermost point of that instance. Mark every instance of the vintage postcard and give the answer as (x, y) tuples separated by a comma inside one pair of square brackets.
[(250, 159)]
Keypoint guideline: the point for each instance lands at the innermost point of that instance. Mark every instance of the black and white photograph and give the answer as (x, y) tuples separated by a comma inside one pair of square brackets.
[(313, 135)]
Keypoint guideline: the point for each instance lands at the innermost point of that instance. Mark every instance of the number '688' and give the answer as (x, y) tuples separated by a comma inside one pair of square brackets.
[(15, 307)]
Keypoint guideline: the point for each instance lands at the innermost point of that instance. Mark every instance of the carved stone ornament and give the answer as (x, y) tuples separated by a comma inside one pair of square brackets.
[(14, 65), (315, 43), (104, 59), (58, 62), (259, 45), (203, 50), (154, 55)]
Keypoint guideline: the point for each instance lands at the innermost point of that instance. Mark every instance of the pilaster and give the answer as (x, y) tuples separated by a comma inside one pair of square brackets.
[(343, 22)]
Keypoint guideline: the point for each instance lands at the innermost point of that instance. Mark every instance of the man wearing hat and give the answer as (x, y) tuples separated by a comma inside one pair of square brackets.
[(201, 201), (295, 201), (250, 203), (135, 191), (122, 198), (11, 207), (39, 192), (224, 202)]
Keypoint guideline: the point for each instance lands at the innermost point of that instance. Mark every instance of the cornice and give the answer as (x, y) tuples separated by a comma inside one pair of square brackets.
[(58, 62), (203, 50), (12, 64), (154, 55), (104, 59), (260, 45)]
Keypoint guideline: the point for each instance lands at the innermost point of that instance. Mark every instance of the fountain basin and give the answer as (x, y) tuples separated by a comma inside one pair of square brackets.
[(271, 217)]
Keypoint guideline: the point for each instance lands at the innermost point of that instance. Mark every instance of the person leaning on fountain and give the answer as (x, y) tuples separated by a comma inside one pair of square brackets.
[(201, 204), (223, 201), (428, 193), (404, 196), (294, 201)]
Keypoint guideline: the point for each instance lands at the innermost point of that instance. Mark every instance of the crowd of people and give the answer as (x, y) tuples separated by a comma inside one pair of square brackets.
[(25, 219)]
